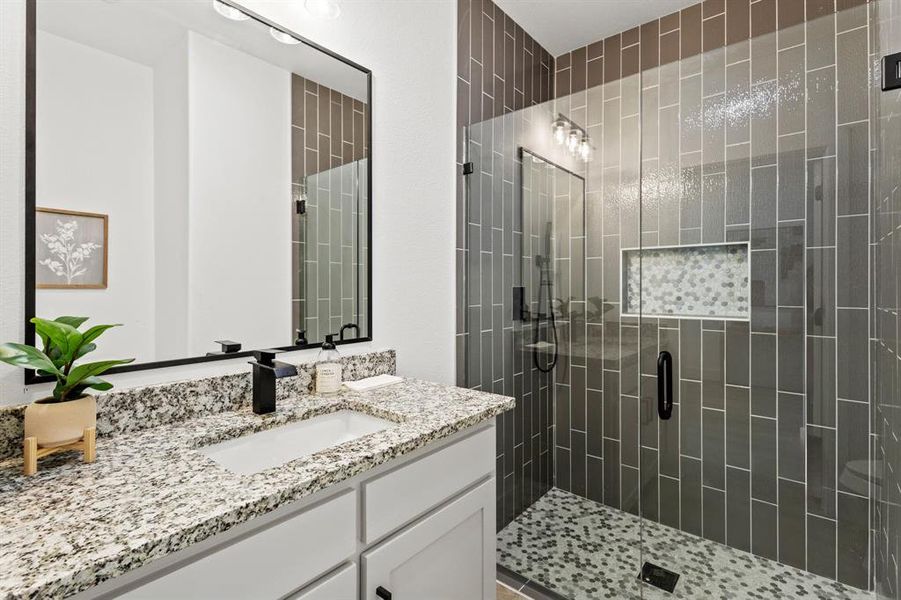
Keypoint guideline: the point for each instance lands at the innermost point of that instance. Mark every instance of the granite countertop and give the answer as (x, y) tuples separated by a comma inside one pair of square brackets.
[(151, 493)]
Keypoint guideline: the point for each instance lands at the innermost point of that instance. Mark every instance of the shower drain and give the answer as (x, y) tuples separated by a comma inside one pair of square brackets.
[(658, 577)]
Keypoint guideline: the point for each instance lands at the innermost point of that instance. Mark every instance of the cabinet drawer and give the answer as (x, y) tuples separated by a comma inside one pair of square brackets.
[(403, 494), (341, 585), (269, 563)]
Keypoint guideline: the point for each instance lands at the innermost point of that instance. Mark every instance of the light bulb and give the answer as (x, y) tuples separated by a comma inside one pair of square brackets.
[(323, 9), (585, 149), (572, 143), (228, 11), (559, 131), (283, 37)]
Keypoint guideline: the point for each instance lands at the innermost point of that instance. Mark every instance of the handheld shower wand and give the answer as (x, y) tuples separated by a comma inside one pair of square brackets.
[(546, 288)]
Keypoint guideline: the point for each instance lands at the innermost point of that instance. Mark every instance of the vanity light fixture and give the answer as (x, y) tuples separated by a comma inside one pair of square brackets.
[(576, 139), (323, 9), (229, 12), (281, 36)]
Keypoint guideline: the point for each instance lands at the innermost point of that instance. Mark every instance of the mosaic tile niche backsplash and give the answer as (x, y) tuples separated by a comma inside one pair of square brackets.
[(688, 281)]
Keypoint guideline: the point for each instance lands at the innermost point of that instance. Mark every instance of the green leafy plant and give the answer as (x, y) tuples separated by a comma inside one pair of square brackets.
[(63, 345)]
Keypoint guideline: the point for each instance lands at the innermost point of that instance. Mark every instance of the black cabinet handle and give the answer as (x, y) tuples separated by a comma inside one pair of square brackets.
[(382, 593), (665, 385)]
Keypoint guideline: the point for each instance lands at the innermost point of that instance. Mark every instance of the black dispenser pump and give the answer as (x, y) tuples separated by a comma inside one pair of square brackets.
[(329, 343)]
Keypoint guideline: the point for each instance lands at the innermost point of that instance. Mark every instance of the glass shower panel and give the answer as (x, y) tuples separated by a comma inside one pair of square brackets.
[(754, 283)]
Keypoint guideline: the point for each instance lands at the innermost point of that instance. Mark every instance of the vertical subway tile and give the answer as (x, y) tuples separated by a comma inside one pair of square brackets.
[(611, 473), (821, 546), (649, 485), (821, 291), (852, 183), (821, 381), (821, 112), (691, 496), (792, 436), (792, 77), (764, 527), (715, 515), (738, 427), (852, 446), (763, 459), (791, 177), (791, 264), (690, 418), (821, 471), (763, 291), (714, 365), (853, 370), (714, 459), (792, 524), (852, 540), (738, 348), (851, 75), (763, 375), (851, 261), (763, 209), (738, 509), (820, 33), (790, 349)]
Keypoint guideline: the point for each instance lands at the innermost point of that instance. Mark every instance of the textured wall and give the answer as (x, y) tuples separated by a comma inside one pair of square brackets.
[(887, 383), (500, 69)]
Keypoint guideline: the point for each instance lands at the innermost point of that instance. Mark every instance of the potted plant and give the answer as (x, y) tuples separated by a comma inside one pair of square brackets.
[(61, 419)]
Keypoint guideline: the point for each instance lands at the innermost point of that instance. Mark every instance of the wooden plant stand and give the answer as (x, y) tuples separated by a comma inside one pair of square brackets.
[(31, 452)]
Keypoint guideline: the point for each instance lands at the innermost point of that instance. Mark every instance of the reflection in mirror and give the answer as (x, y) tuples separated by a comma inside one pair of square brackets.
[(200, 176)]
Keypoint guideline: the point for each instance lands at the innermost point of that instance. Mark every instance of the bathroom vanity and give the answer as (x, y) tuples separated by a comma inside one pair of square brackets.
[(400, 505)]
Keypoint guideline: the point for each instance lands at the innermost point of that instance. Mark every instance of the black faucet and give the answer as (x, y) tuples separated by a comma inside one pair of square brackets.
[(265, 371), (348, 326)]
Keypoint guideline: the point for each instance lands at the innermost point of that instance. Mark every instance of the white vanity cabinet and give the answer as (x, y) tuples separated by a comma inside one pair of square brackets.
[(420, 526)]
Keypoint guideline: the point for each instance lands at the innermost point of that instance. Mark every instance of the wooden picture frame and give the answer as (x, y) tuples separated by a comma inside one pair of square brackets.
[(99, 266)]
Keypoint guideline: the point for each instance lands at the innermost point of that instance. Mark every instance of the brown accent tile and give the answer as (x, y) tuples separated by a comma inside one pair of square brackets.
[(595, 50), (563, 82), (631, 60), (564, 61), (325, 151), (595, 72), (819, 8), (669, 47), (324, 110), (714, 7), (311, 112), (669, 23), (297, 98), (650, 44), (714, 33), (630, 36), (311, 86), (311, 161), (763, 17), (612, 58), (790, 13), (578, 70), (691, 31), (347, 111), (336, 122), (738, 21)]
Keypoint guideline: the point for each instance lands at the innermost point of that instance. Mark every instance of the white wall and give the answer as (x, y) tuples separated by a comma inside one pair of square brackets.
[(410, 47), (95, 149), (239, 240), (170, 140)]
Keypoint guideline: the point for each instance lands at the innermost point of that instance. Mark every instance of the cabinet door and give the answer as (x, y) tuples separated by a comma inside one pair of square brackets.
[(447, 555)]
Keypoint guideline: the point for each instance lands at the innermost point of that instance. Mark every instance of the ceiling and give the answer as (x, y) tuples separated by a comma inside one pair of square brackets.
[(564, 25), (141, 31)]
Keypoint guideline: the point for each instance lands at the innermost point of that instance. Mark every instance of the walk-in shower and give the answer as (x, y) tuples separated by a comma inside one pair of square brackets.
[(731, 224)]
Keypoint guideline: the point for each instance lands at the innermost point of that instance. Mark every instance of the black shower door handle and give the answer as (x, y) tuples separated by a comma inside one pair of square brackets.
[(664, 385)]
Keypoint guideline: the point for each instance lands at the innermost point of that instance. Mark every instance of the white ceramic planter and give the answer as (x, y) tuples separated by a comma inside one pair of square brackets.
[(60, 423)]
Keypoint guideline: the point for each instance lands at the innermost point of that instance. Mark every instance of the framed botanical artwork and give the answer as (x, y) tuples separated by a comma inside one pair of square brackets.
[(71, 249)]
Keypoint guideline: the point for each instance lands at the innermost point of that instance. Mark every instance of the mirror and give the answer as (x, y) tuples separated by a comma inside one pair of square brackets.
[(199, 175)]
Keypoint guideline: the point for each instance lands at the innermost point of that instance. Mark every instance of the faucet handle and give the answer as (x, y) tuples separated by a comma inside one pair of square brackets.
[(265, 357)]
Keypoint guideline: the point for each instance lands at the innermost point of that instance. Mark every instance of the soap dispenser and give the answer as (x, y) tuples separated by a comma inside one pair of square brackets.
[(328, 368)]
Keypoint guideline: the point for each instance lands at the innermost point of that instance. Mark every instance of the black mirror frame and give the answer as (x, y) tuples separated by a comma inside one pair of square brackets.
[(31, 377)]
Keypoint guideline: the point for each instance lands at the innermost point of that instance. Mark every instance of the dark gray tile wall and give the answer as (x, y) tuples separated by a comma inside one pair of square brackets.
[(500, 70), (750, 121), (746, 120), (887, 381)]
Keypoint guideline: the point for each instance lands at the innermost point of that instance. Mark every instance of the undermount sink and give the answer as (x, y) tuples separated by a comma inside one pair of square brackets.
[(266, 449)]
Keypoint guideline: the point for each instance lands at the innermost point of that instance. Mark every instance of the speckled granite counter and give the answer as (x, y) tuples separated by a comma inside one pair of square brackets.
[(151, 492)]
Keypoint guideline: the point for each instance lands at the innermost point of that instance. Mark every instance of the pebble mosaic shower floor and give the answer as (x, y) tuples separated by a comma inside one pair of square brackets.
[(587, 551)]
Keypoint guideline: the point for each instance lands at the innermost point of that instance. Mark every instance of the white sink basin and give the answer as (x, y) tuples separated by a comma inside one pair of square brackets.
[(266, 449)]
